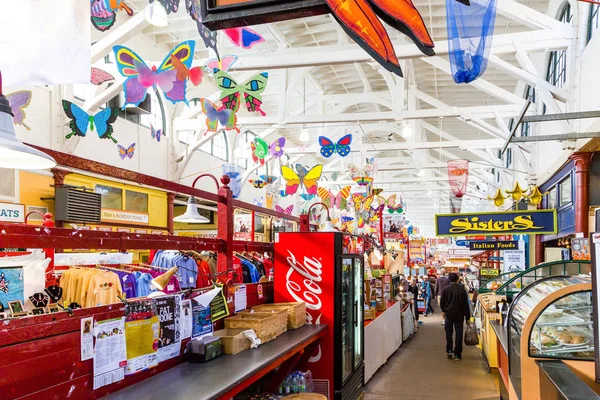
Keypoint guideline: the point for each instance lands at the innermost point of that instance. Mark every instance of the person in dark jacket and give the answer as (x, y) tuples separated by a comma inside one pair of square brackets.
[(414, 289), (455, 309)]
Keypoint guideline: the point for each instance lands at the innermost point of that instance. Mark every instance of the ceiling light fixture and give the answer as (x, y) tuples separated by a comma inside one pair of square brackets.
[(304, 136), (156, 15), (421, 172), (407, 131), (191, 215), (13, 153)]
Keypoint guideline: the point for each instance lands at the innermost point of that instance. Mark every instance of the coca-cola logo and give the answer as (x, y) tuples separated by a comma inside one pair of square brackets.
[(311, 270)]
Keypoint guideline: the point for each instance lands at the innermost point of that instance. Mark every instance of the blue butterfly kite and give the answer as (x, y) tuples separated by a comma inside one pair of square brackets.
[(342, 147), (82, 121)]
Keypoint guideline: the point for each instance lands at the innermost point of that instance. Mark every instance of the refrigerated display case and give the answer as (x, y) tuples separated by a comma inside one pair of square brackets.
[(325, 270), (551, 318)]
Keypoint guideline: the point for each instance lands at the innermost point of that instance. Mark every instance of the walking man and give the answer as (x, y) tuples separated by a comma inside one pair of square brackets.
[(455, 309)]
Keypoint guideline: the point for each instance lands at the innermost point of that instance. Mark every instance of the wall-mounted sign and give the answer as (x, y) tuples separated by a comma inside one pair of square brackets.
[(514, 260), (496, 258), (533, 222), (128, 217), (500, 245), (463, 243), (12, 212)]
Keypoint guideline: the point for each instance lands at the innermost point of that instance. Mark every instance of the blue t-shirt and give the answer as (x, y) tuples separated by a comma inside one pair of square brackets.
[(142, 280), (187, 272)]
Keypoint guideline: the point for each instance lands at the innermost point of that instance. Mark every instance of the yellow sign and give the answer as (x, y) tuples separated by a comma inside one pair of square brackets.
[(128, 217), (489, 272)]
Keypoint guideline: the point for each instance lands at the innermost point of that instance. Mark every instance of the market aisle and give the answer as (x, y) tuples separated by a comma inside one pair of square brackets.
[(420, 370)]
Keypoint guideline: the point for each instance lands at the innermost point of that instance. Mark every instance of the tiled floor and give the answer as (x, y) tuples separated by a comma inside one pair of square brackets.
[(420, 370)]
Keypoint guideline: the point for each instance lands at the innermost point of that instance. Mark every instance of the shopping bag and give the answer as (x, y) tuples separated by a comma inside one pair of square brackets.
[(471, 338)]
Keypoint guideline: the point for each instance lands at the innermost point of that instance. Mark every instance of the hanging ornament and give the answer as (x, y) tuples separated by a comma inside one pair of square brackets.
[(498, 198), (535, 196), (516, 193)]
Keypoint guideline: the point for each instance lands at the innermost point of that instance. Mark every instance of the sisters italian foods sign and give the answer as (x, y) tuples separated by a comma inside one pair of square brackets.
[(533, 222)]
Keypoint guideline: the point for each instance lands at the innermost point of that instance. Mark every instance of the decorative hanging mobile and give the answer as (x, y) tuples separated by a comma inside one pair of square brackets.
[(234, 172), (269, 178), (140, 77), (18, 102), (288, 210), (379, 204), (222, 64), (301, 177), (243, 37), (81, 121), (258, 183), (208, 37), (155, 133), (194, 74), (377, 191), (100, 76), (393, 207), (470, 28), (259, 202), (260, 150), (342, 147), (104, 13), (276, 148), (458, 177), (126, 152), (232, 92), (218, 115), (363, 176), (171, 6), (339, 200)]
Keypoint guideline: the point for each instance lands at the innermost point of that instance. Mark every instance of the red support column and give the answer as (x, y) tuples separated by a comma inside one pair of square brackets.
[(225, 228), (582, 191), (304, 223), (539, 250), (170, 211)]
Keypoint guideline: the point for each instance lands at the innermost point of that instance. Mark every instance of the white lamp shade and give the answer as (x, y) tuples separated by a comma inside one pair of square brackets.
[(304, 136), (13, 153), (328, 227), (156, 15), (191, 215)]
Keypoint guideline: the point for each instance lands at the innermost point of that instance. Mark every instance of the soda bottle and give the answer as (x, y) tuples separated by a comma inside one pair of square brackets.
[(301, 383)]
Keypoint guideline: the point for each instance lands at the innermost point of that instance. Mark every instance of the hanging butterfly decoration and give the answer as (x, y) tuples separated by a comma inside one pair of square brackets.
[(194, 75), (251, 90), (171, 6), (276, 148), (104, 13), (215, 116), (100, 76), (272, 196), (243, 37), (288, 210), (259, 202), (377, 191), (81, 121), (301, 177), (222, 64), (155, 133), (342, 147), (380, 203), (338, 200), (307, 196), (208, 37), (269, 178), (126, 152), (140, 77), (363, 176), (258, 183), (260, 150), (392, 207), (18, 102)]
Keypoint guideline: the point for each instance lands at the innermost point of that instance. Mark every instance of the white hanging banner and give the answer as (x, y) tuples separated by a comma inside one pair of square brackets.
[(45, 42)]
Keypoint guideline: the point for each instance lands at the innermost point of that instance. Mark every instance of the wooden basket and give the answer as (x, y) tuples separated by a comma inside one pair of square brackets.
[(266, 325), (296, 312), (370, 314)]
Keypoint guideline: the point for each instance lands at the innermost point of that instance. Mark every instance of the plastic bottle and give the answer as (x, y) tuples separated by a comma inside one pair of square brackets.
[(287, 386), (294, 381), (301, 383), (309, 382)]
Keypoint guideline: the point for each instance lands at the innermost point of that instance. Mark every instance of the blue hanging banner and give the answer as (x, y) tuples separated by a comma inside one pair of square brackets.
[(533, 222), (470, 29)]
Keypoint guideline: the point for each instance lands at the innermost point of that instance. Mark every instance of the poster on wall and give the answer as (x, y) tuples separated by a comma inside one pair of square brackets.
[(393, 223), (242, 226), (141, 336), (201, 321), (514, 260), (168, 310), (417, 252), (580, 249), (110, 354), (11, 285)]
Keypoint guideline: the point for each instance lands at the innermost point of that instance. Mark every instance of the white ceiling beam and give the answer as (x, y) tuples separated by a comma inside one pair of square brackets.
[(539, 40), (462, 144), (529, 17), (190, 151)]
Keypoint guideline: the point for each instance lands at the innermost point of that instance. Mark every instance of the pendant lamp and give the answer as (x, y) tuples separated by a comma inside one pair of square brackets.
[(191, 215), (161, 281), (13, 153), (156, 15)]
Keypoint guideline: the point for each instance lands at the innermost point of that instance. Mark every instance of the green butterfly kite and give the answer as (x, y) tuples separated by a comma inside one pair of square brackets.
[(231, 91)]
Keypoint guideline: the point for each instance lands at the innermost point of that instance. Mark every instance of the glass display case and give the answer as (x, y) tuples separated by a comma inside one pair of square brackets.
[(561, 327)]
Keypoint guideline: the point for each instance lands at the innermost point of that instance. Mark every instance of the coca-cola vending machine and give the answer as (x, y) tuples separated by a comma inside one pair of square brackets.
[(325, 270)]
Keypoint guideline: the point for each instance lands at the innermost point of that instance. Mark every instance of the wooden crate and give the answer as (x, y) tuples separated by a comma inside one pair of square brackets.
[(266, 325), (370, 314), (296, 312)]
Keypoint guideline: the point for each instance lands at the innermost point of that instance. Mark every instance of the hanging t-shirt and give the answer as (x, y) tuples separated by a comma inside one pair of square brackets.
[(252, 272), (104, 289), (128, 284), (33, 276), (187, 272), (268, 268), (142, 284), (204, 274)]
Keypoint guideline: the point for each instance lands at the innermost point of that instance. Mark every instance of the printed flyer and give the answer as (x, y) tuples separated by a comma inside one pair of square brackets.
[(141, 336), (201, 322), (168, 310), (110, 355)]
